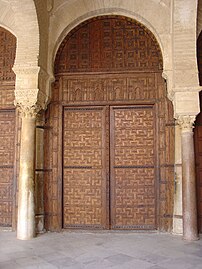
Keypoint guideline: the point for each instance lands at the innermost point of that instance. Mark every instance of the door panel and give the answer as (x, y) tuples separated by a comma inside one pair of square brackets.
[(84, 168), (198, 156), (133, 198), (7, 135)]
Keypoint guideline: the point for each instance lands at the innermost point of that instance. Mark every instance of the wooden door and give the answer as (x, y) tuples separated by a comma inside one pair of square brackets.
[(7, 135), (108, 61), (133, 197), (198, 157), (131, 187), (85, 199)]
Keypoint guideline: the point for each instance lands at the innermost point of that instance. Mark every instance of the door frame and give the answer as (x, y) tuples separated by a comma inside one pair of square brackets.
[(164, 140)]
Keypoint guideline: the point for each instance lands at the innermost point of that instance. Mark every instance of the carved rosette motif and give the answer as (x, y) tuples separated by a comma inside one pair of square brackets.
[(186, 123)]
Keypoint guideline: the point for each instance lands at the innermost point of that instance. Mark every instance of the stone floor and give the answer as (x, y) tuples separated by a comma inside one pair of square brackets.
[(100, 250)]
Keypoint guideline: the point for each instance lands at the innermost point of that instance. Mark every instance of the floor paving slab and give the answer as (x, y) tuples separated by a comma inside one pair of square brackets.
[(99, 250)]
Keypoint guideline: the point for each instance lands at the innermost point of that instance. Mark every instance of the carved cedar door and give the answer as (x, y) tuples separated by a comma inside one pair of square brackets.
[(109, 131), (84, 163), (131, 186), (7, 135), (7, 128), (133, 195)]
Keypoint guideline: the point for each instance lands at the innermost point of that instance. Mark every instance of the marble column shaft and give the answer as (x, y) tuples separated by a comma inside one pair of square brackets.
[(26, 214), (190, 231)]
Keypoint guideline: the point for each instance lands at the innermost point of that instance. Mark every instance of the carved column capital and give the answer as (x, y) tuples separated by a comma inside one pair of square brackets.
[(32, 85), (186, 123), (28, 111)]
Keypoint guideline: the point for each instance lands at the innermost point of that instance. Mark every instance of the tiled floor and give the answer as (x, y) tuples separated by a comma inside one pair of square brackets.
[(96, 250)]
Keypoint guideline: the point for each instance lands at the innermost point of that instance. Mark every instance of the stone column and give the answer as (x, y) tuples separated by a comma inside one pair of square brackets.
[(26, 213), (189, 206)]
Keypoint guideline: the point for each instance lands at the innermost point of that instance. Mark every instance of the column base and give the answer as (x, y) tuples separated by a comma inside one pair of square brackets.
[(23, 237), (190, 238), (177, 226)]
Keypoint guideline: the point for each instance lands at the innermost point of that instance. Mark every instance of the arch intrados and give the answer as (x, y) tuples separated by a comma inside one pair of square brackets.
[(9, 30)]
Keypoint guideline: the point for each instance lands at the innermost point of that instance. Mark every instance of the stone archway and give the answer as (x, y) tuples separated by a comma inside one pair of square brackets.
[(106, 63), (21, 19), (15, 16)]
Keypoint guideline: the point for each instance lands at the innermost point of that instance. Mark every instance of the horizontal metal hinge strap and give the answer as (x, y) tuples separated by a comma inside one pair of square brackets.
[(78, 167), (43, 170), (86, 226), (145, 227), (40, 127), (6, 166), (134, 166), (133, 107), (83, 108)]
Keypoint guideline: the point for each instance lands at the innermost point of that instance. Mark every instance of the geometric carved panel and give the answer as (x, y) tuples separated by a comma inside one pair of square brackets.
[(133, 193), (7, 55), (7, 135), (116, 87), (106, 43), (7, 76), (7, 96), (84, 177)]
